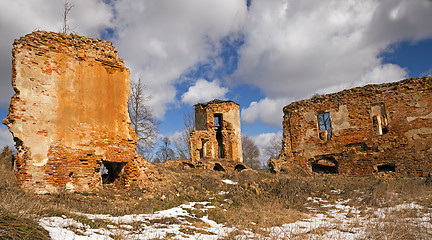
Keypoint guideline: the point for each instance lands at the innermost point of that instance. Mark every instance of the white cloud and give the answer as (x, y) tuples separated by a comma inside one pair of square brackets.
[(263, 140), (292, 49), (296, 48), (21, 17), (204, 91), (268, 110), (6, 138), (379, 74), (160, 40)]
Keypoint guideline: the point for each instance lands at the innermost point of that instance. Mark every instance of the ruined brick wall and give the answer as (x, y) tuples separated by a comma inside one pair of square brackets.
[(209, 141), (69, 113), (385, 127)]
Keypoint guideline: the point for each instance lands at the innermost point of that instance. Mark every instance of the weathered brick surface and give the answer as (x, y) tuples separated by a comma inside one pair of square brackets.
[(69, 113), (205, 135), (356, 146)]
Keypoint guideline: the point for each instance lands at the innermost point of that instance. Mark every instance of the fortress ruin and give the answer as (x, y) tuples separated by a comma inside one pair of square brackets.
[(361, 131), (69, 115), (217, 132)]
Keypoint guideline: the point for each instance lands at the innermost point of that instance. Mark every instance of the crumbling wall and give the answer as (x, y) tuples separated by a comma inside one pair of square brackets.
[(69, 114), (216, 140), (375, 128)]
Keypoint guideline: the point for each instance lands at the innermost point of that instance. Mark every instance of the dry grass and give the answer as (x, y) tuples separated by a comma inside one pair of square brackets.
[(18, 211), (259, 201), (396, 226)]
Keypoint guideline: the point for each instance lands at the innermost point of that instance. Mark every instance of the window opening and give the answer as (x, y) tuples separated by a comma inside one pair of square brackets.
[(110, 171), (379, 119), (324, 126), (218, 121)]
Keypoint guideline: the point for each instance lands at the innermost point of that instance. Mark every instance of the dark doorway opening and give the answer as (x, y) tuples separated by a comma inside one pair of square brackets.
[(201, 151), (325, 165), (110, 171), (221, 153), (386, 168), (239, 167), (218, 167)]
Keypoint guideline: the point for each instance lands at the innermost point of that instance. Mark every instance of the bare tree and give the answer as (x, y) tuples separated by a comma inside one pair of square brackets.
[(274, 147), (142, 121), (165, 152), (67, 7), (250, 153), (181, 142)]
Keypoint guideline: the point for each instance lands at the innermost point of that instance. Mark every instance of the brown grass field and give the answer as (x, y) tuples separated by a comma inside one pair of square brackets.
[(260, 200)]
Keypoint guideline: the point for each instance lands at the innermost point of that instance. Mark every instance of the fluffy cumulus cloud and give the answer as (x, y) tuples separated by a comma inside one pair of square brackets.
[(20, 17), (292, 49), (298, 48), (267, 110), (204, 91), (160, 40)]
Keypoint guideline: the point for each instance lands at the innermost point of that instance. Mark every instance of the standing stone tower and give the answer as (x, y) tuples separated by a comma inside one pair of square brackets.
[(217, 131), (69, 115)]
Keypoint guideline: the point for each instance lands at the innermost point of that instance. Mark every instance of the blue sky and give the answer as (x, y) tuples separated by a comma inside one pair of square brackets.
[(262, 54)]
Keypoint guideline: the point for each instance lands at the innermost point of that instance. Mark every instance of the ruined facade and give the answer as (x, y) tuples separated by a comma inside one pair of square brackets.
[(360, 131), (69, 115), (217, 132)]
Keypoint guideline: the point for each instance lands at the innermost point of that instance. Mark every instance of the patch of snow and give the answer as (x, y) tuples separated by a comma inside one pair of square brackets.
[(327, 220), (147, 226), (227, 181)]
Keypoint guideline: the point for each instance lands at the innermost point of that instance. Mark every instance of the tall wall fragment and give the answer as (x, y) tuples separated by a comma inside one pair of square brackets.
[(69, 115), (217, 131), (360, 131)]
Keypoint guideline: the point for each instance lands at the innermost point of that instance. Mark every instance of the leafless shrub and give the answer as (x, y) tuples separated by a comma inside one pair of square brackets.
[(250, 153), (67, 7)]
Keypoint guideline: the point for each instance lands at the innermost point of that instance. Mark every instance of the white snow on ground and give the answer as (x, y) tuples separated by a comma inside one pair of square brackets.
[(227, 181), (176, 222), (327, 220)]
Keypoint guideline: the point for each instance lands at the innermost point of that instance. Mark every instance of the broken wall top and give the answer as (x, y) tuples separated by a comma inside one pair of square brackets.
[(204, 114), (214, 101), (76, 46), (368, 90)]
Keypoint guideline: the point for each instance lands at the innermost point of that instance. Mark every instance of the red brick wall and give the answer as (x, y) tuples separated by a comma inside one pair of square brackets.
[(355, 147), (69, 112)]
